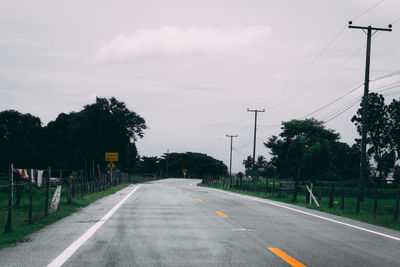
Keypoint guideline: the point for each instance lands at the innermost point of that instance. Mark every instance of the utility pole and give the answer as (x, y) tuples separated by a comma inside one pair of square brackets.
[(167, 161), (230, 161), (255, 130), (363, 159)]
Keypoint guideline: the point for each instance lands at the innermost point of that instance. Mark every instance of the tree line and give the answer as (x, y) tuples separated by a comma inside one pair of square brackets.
[(78, 139), (197, 165), (71, 141)]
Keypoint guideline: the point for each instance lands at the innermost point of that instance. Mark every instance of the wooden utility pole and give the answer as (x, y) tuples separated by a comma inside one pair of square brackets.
[(255, 132), (363, 159), (8, 227), (230, 160)]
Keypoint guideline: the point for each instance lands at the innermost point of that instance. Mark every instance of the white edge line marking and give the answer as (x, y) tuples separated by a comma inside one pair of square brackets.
[(69, 251), (310, 214)]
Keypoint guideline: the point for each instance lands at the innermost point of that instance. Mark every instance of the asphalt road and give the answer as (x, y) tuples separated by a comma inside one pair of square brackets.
[(176, 223)]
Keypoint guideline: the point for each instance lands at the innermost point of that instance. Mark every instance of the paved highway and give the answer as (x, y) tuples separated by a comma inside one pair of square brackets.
[(176, 223)]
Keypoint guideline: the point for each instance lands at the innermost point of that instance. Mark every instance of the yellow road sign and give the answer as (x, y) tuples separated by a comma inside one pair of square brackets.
[(111, 165), (112, 156)]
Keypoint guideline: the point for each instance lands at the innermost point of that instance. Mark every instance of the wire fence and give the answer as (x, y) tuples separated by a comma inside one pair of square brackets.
[(334, 194), (34, 194)]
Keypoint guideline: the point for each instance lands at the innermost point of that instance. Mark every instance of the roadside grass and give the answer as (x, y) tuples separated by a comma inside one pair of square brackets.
[(384, 215), (20, 226)]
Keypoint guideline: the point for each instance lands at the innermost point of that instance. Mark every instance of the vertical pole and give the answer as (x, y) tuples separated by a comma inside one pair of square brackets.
[(167, 161), (8, 227), (230, 161), (254, 142), (342, 202), (396, 212), (375, 199), (363, 158), (46, 207), (30, 221), (69, 193), (331, 197), (255, 133)]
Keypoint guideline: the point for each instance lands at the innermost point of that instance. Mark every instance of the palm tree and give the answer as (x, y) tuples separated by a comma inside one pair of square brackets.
[(248, 162), (261, 162)]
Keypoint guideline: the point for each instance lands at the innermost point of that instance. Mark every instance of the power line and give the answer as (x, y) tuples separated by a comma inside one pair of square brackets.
[(395, 21), (334, 101), (368, 10), (347, 107), (354, 89), (237, 151), (386, 76)]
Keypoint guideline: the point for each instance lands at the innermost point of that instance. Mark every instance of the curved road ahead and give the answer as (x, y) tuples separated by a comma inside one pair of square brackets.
[(176, 223)]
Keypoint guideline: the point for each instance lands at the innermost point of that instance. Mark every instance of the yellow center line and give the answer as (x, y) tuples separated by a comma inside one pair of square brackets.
[(199, 200), (221, 214), (286, 257)]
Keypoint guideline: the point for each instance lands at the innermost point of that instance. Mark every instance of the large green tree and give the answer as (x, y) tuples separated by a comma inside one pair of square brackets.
[(78, 138), (304, 150), (378, 133)]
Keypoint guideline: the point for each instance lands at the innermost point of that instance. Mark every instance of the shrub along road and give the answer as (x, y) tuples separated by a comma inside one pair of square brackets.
[(175, 223)]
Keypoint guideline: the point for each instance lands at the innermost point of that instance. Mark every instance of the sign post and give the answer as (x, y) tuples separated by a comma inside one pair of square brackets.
[(111, 157)]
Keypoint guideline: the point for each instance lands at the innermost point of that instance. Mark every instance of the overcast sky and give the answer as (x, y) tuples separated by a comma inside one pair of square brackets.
[(192, 68)]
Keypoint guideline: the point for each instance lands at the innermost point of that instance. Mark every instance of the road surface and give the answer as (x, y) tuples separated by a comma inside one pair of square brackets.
[(176, 223)]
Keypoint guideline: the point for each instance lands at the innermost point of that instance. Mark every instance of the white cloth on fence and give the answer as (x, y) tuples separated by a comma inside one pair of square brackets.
[(56, 199), (34, 174), (39, 178)]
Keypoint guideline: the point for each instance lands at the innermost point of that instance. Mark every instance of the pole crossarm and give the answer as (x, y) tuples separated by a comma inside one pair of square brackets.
[(256, 110)]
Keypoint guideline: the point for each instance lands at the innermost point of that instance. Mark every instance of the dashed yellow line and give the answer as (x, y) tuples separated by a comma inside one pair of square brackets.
[(221, 214), (199, 200), (286, 257)]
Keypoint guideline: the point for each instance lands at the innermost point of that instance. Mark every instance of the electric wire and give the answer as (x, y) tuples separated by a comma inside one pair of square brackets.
[(368, 10), (357, 87)]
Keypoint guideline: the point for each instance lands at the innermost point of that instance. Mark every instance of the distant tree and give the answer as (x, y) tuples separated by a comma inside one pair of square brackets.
[(149, 166), (199, 165), (261, 162), (248, 162), (240, 175), (20, 140)]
